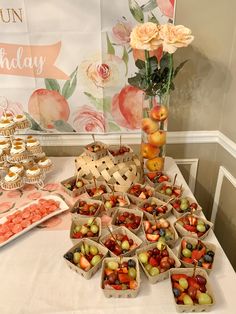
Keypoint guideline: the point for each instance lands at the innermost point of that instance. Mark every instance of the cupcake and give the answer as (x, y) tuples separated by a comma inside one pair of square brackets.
[(2, 156), (7, 115), (18, 141), (5, 146), (33, 174), (7, 127), (18, 153), (21, 121), (18, 168), (45, 164), (12, 181), (33, 146)]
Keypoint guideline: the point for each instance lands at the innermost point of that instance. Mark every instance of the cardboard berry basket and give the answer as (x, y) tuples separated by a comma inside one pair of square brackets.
[(161, 276), (75, 192), (87, 274), (112, 293), (130, 210), (127, 156), (123, 231), (170, 243), (157, 202), (99, 183), (185, 233), (196, 307), (96, 155), (79, 220), (87, 201), (156, 184), (137, 200), (193, 241), (165, 197), (106, 197), (196, 211)]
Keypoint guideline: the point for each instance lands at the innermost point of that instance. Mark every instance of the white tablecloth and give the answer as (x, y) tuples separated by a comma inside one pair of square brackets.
[(34, 279)]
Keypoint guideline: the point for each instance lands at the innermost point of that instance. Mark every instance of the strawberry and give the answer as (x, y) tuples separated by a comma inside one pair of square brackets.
[(84, 263), (192, 220), (197, 254), (147, 225), (192, 282), (151, 175), (178, 286), (116, 287), (176, 277), (133, 284), (190, 228), (77, 235), (108, 271), (187, 260), (184, 244), (206, 265), (123, 278)]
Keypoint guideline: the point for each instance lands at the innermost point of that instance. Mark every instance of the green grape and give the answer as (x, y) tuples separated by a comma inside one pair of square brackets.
[(132, 272), (204, 298), (187, 300), (183, 283), (186, 253)]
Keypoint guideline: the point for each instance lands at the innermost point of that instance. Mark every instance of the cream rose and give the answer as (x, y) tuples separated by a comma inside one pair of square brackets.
[(174, 36), (145, 36)]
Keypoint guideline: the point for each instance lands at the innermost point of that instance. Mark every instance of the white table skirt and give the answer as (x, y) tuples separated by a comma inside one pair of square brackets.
[(34, 279)]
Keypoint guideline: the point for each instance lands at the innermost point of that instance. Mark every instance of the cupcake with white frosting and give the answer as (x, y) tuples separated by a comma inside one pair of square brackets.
[(12, 181), (45, 164), (18, 153), (33, 146), (17, 168), (5, 146), (2, 156), (21, 121), (7, 127), (33, 174), (18, 141)]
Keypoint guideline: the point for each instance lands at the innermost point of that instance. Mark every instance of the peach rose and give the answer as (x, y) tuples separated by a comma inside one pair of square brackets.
[(86, 119), (107, 71), (145, 36), (127, 107), (121, 32), (166, 7), (175, 36)]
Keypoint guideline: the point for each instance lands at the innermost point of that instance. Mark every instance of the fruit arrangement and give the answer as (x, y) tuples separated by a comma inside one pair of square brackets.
[(183, 205), (120, 153), (130, 219), (138, 193), (155, 207), (121, 242), (193, 225), (115, 200), (192, 292), (156, 259), (86, 207), (86, 257), (85, 228), (166, 191), (193, 251), (120, 278), (157, 177), (159, 228), (95, 147), (96, 191), (96, 150), (73, 186), (119, 150)]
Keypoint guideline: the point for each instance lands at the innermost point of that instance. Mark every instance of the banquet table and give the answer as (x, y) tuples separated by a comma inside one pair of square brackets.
[(34, 278)]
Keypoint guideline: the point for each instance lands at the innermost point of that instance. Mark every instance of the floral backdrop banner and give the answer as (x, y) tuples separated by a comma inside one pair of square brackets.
[(65, 63)]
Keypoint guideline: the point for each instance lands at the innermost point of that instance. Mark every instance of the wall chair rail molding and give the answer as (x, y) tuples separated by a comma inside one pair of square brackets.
[(223, 173), (192, 172)]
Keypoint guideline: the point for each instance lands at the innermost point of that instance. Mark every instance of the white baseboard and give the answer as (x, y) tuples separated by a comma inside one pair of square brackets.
[(223, 173)]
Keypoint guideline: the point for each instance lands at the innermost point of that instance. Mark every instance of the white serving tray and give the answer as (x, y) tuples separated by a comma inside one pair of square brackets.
[(62, 208)]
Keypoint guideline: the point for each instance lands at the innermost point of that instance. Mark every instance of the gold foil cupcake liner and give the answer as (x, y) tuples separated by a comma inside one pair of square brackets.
[(35, 149), (47, 168), (8, 131), (18, 157), (14, 185), (35, 179), (23, 124)]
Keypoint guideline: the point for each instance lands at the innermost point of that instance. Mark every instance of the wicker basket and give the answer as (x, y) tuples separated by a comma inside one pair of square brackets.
[(121, 175)]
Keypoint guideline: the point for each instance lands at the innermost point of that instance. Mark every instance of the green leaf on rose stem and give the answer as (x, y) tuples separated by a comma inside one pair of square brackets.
[(125, 58), (149, 6), (63, 126), (179, 67), (153, 63), (52, 84), (140, 64), (70, 85), (34, 125), (102, 104), (153, 19), (113, 127), (136, 11), (110, 48)]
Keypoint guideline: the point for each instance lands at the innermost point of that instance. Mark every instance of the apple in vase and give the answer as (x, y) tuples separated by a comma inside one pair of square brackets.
[(158, 138), (149, 126), (159, 113), (149, 151)]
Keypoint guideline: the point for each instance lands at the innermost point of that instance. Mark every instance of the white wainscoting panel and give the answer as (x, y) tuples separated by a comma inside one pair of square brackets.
[(193, 171), (223, 173)]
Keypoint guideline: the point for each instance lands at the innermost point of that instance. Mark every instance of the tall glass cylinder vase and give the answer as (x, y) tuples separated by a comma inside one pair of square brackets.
[(154, 130)]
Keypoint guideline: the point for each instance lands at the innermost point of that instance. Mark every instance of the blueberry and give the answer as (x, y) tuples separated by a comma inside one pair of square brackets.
[(211, 253), (189, 246), (131, 263), (176, 292), (199, 263), (208, 258), (162, 232), (77, 250), (69, 256)]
